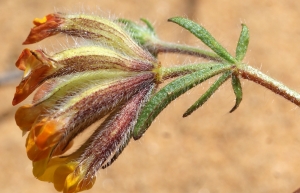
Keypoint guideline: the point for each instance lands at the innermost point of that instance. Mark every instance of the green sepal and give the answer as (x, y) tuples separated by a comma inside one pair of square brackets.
[(170, 92), (242, 45), (141, 34), (212, 89), (149, 25), (237, 88), (201, 33)]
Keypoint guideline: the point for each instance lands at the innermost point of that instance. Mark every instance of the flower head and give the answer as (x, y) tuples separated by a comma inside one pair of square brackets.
[(73, 89)]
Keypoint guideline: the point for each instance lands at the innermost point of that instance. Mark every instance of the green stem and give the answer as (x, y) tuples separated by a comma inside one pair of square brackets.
[(157, 46), (277, 87)]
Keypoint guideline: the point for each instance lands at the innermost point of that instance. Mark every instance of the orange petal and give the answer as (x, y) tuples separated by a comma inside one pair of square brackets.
[(47, 133), (44, 28), (25, 117), (33, 152), (39, 140), (43, 137), (37, 66)]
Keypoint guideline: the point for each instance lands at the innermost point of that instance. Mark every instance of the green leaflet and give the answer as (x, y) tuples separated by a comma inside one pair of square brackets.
[(237, 88), (174, 71), (201, 33), (242, 45), (170, 92), (212, 89)]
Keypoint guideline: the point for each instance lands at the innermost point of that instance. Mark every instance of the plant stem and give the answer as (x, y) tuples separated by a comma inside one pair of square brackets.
[(247, 72), (157, 46), (277, 87)]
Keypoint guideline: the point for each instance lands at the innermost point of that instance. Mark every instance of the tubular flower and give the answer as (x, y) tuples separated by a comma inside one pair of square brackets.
[(86, 26), (73, 89)]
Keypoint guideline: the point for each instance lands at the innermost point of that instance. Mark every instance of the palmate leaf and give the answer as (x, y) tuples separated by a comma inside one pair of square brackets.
[(212, 89), (242, 45), (170, 92), (237, 88), (201, 33)]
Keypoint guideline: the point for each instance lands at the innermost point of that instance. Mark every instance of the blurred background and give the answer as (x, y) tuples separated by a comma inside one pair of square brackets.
[(254, 149)]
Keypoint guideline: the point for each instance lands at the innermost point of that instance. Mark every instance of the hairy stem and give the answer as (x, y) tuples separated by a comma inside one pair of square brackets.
[(159, 46), (277, 87)]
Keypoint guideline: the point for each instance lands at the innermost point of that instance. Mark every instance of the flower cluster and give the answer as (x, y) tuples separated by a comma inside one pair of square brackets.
[(113, 77)]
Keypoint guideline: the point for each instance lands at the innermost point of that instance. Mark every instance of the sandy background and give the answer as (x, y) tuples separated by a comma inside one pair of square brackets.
[(255, 149)]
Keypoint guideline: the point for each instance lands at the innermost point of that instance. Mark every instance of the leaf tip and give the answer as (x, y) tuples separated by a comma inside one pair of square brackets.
[(186, 114)]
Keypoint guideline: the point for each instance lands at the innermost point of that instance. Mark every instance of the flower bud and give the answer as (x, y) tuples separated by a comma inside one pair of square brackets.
[(89, 27)]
